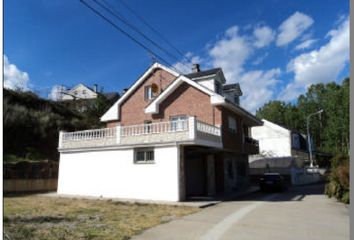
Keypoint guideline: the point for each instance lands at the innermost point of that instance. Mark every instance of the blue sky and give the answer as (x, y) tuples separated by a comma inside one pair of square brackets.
[(274, 48)]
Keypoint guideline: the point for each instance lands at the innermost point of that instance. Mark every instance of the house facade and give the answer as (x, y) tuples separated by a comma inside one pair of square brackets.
[(169, 137), (280, 150)]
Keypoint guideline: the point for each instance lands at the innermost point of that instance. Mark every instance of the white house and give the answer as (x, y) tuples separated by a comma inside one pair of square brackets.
[(280, 150), (80, 91), (169, 137)]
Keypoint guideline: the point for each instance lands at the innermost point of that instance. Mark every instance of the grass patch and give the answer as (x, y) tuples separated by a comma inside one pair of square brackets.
[(36, 217)]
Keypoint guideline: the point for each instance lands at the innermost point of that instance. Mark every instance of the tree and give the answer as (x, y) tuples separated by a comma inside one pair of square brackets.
[(331, 131)]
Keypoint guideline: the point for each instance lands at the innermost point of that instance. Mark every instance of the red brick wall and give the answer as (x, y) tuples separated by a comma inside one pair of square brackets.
[(111, 124), (132, 110), (187, 100)]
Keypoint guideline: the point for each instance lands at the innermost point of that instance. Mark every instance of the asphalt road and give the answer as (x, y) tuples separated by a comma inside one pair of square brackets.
[(300, 213)]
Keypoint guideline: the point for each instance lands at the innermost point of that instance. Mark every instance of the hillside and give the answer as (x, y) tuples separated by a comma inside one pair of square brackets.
[(32, 124)]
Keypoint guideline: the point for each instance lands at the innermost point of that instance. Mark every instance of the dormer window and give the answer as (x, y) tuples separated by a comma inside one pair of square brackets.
[(237, 99), (218, 87)]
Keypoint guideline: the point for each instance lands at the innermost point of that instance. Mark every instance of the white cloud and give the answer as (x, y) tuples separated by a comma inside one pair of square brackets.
[(292, 28), (306, 44), (185, 66), (56, 92), (14, 78), (322, 65), (258, 87), (263, 35), (230, 53), (260, 59)]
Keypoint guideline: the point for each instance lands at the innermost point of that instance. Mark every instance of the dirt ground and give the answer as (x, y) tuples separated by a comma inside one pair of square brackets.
[(36, 217)]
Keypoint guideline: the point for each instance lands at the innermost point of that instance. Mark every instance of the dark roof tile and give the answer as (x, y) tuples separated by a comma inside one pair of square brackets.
[(203, 73)]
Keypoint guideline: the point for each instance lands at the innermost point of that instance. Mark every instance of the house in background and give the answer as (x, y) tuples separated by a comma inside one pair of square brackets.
[(280, 150), (169, 137), (82, 97), (80, 91)]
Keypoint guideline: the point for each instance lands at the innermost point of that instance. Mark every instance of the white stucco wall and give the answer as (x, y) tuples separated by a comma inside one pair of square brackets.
[(113, 173), (274, 140)]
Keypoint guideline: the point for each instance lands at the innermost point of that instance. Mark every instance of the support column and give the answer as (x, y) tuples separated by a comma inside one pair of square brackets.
[(182, 176), (192, 127), (118, 133), (60, 142)]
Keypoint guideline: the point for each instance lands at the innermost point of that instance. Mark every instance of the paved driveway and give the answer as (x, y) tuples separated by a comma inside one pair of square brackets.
[(301, 213)]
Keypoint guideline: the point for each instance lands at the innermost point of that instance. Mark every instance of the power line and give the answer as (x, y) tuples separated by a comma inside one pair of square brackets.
[(151, 27), (127, 34), (121, 18)]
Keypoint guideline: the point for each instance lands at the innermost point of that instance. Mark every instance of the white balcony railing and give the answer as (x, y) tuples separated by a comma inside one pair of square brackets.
[(89, 134), (182, 130), (154, 128), (207, 128)]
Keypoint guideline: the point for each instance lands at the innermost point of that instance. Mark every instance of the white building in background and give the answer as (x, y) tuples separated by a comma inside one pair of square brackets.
[(277, 141), (80, 91), (280, 149)]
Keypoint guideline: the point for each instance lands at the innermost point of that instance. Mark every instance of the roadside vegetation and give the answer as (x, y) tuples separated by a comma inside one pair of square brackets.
[(338, 184), (38, 217)]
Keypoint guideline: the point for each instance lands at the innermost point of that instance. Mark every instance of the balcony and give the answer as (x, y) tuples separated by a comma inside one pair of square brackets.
[(251, 145), (189, 130)]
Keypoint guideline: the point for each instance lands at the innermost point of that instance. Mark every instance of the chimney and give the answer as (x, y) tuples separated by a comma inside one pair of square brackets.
[(196, 68), (95, 88)]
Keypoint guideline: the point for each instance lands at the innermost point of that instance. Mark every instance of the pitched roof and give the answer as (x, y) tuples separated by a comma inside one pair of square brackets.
[(202, 73), (113, 113)]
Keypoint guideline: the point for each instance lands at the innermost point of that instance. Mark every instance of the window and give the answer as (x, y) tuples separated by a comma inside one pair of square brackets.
[(83, 91), (144, 155), (232, 124), (218, 87), (75, 92), (178, 123), (149, 93), (237, 99)]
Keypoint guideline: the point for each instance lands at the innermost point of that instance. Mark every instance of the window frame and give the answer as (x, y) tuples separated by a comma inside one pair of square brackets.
[(145, 151), (148, 93), (231, 119), (179, 123)]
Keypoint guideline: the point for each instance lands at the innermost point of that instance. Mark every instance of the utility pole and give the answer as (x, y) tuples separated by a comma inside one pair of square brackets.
[(308, 134)]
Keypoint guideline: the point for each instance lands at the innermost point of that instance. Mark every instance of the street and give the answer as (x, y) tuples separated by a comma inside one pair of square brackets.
[(299, 213)]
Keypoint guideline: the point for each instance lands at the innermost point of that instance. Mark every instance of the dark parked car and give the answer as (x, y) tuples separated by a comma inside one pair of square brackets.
[(272, 182)]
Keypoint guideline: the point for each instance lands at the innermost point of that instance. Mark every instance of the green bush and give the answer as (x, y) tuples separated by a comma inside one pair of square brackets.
[(338, 179)]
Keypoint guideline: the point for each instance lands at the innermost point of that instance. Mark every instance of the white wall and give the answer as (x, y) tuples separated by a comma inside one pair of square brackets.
[(114, 174), (274, 140), (209, 83)]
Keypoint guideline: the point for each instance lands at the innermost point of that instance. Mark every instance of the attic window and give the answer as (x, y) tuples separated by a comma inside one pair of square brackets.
[(237, 99), (83, 91), (149, 94), (218, 87)]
